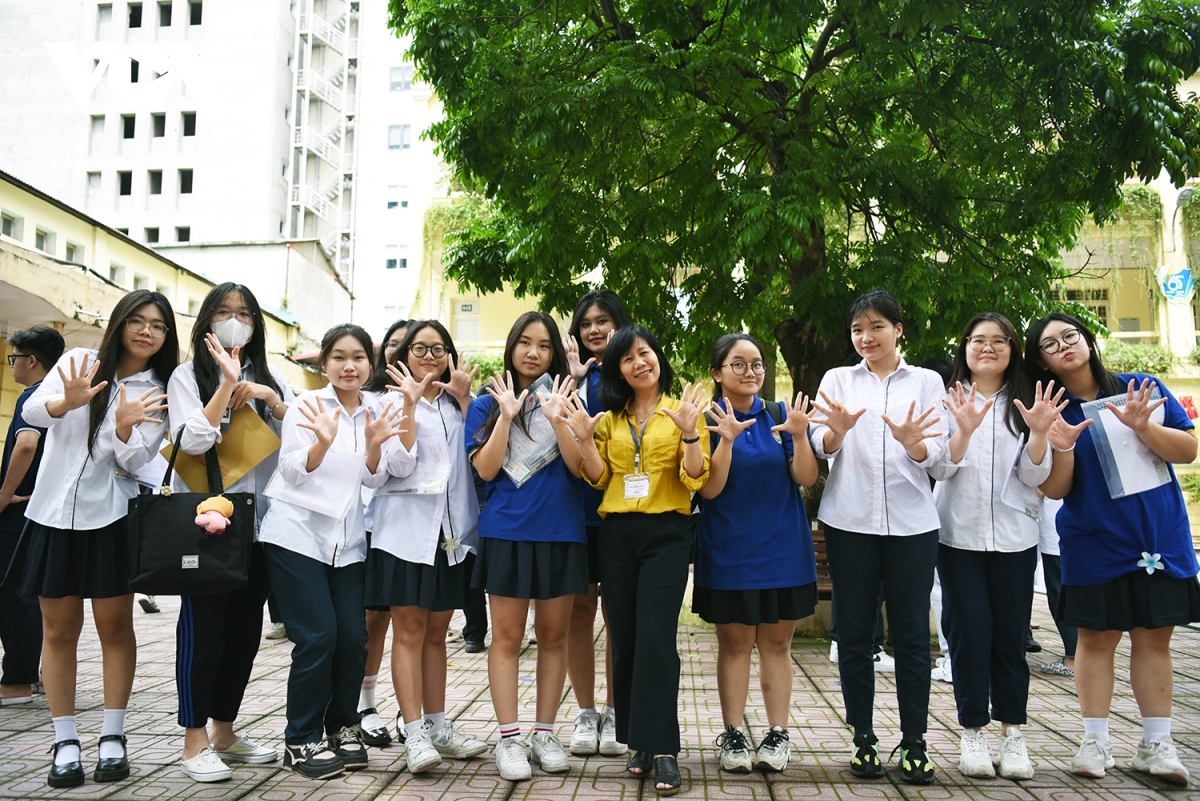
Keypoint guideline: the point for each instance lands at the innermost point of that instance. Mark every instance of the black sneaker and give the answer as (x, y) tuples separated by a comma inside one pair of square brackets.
[(915, 767), (313, 760), (865, 763), (349, 747)]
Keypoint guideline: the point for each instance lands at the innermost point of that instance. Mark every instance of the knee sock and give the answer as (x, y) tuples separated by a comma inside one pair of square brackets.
[(366, 696), (114, 723), (1096, 726), (510, 730), (436, 721), (64, 729), (1154, 729)]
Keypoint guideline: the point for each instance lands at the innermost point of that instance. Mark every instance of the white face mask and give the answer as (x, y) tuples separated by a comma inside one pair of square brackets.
[(232, 333)]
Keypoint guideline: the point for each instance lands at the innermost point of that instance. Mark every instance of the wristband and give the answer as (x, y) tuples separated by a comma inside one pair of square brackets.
[(1054, 447), (691, 441)]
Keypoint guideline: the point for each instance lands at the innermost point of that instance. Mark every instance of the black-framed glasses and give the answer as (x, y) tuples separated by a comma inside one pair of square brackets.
[(1068, 338), (997, 344), (12, 357), (139, 324), (419, 349), (739, 367)]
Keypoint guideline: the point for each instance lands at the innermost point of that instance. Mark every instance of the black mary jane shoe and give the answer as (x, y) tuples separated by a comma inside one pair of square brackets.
[(113, 770), (68, 775), (666, 771), (639, 763)]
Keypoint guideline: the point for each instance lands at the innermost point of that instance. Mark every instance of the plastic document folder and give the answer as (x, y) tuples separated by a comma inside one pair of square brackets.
[(243, 446), (1129, 466)]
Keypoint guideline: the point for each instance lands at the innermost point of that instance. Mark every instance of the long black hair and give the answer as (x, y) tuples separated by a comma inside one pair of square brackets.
[(163, 363), (1015, 376), (254, 352), (558, 367), (720, 352), (379, 379), (614, 391), (1109, 383), (608, 301)]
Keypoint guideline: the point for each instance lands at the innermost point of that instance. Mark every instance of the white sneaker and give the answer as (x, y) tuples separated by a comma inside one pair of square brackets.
[(420, 753), (512, 758), (609, 745), (246, 750), (734, 752), (585, 739), (941, 670), (833, 654), (1092, 758), (549, 753), (276, 631), (774, 752), (1159, 758), (975, 755), (1014, 756), (454, 744), (884, 663), (206, 767)]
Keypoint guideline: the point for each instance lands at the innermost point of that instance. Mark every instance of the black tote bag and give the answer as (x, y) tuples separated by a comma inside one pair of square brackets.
[(171, 555)]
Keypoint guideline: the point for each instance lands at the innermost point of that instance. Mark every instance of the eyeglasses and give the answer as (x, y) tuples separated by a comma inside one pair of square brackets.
[(138, 324), (1068, 338), (244, 316), (997, 344), (740, 367), (12, 357), (419, 349)]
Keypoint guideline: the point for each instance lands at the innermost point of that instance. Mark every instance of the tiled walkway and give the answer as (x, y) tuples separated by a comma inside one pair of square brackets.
[(820, 740)]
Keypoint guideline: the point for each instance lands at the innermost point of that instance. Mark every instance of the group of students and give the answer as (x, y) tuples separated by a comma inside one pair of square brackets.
[(589, 471)]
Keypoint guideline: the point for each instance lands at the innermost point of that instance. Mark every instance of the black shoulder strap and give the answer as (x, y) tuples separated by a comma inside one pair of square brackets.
[(211, 463), (775, 409)]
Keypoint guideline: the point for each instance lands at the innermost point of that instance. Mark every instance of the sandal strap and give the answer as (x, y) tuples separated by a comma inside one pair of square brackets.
[(54, 748), (666, 771), (109, 738)]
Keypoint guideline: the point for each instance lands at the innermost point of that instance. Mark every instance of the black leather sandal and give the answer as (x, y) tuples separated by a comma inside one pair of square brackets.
[(113, 769), (639, 763), (68, 775), (666, 771)]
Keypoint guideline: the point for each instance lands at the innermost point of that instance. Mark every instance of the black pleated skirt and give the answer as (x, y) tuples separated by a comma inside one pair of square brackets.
[(439, 587), (58, 563), (754, 607), (1135, 600), (535, 570)]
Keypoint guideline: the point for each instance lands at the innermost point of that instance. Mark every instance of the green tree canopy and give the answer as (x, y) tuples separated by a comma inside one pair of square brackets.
[(760, 163)]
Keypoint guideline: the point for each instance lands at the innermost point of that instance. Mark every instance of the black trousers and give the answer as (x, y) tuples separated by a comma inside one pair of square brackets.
[(476, 626), (858, 563), (216, 640), (986, 601), (322, 608), (1052, 572), (20, 624), (879, 630), (644, 570)]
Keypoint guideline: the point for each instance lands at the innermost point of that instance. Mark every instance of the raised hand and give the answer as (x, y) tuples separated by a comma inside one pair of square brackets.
[(380, 429), (1138, 406), (962, 405), (409, 388), (836, 416), (582, 424), (501, 389), (687, 416), (323, 423), (798, 417), (1063, 436), (554, 402), (913, 431), (1047, 404), (728, 427), (130, 413), (461, 377), (77, 388), (229, 363), (578, 371)]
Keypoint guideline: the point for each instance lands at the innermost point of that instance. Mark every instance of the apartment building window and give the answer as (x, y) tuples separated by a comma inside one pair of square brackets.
[(193, 307), (104, 13), (116, 274), (185, 182), (163, 289), (141, 282), (74, 253), (183, 234), (392, 259), (155, 182), (133, 71), (403, 196), (151, 235), (11, 225), (158, 124), (128, 125), (125, 182), (164, 15), (189, 123), (96, 139), (400, 78), (135, 15), (195, 12), (44, 240), (393, 197), (93, 187), (399, 137)]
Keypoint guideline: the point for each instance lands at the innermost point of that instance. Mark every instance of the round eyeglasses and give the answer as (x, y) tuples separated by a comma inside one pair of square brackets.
[(740, 367), (419, 349), (1068, 338)]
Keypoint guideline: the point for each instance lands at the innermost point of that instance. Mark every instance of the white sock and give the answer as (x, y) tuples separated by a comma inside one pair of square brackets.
[(539, 728), (413, 729), (64, 729), (591, 709), (1096, 726), (1154, 729), (114, 723), (437, 722), (366, 696)]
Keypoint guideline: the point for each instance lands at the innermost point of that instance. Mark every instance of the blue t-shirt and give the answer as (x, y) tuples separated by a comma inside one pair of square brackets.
[(548, 507), (755, 535), (591, 495), (1101, 537), (13, 516)]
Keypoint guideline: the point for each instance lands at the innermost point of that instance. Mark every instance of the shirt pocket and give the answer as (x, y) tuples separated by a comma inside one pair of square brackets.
[(660, 452), (620, 455)]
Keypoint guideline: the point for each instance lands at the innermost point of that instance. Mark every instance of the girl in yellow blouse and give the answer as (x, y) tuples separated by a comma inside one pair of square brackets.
[(648, 456)]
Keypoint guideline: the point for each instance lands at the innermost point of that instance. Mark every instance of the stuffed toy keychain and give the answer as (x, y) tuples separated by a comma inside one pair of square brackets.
[(213, 514)]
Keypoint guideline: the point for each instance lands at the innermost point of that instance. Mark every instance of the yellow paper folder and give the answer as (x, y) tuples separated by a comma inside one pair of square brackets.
[(243, 446)]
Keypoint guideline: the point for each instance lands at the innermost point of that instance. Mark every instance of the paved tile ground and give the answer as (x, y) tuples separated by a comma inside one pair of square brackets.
[(820, 740)]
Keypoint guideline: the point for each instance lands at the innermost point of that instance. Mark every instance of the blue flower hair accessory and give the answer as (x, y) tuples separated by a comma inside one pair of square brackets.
[(1152, 562)]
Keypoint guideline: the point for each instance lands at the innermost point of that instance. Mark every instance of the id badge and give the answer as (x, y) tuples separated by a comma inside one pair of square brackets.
[(637, 485)]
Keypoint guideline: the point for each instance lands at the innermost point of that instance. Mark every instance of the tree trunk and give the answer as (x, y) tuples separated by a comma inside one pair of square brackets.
[(808, 355)]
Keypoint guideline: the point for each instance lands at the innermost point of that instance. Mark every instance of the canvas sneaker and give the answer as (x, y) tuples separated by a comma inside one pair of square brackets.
[(609, 745), (585, 739), (1014, 757), (454, 744), (512, 759), (246, 750), (734, 751), (1093, 758), (774, 752), (206, 767), (1159, 758), (549, 753), (975, 755)]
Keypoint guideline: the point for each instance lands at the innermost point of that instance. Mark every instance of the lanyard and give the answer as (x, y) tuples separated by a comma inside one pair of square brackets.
[(637, 442)]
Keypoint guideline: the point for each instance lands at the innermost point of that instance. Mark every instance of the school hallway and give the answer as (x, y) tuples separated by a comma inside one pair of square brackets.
[(820, 741)]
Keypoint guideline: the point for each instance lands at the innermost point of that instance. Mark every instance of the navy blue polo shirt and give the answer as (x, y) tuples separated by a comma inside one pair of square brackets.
[(755, 535), (13, 516), (546, 508), (591, 495), (1102, 538)]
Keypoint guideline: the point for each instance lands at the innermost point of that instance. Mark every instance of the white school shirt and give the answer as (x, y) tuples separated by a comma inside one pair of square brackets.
[(1047, 530), (77, 489), (333, 540), (186, 409), (408, 526), (874, 486), (975, 509)]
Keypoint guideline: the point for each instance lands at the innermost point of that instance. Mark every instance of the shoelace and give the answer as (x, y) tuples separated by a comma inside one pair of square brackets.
[(915, 751), (1158, 747), (1092, 747), (977, 746), (774, 738), (732, 740), (1013, 746)]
